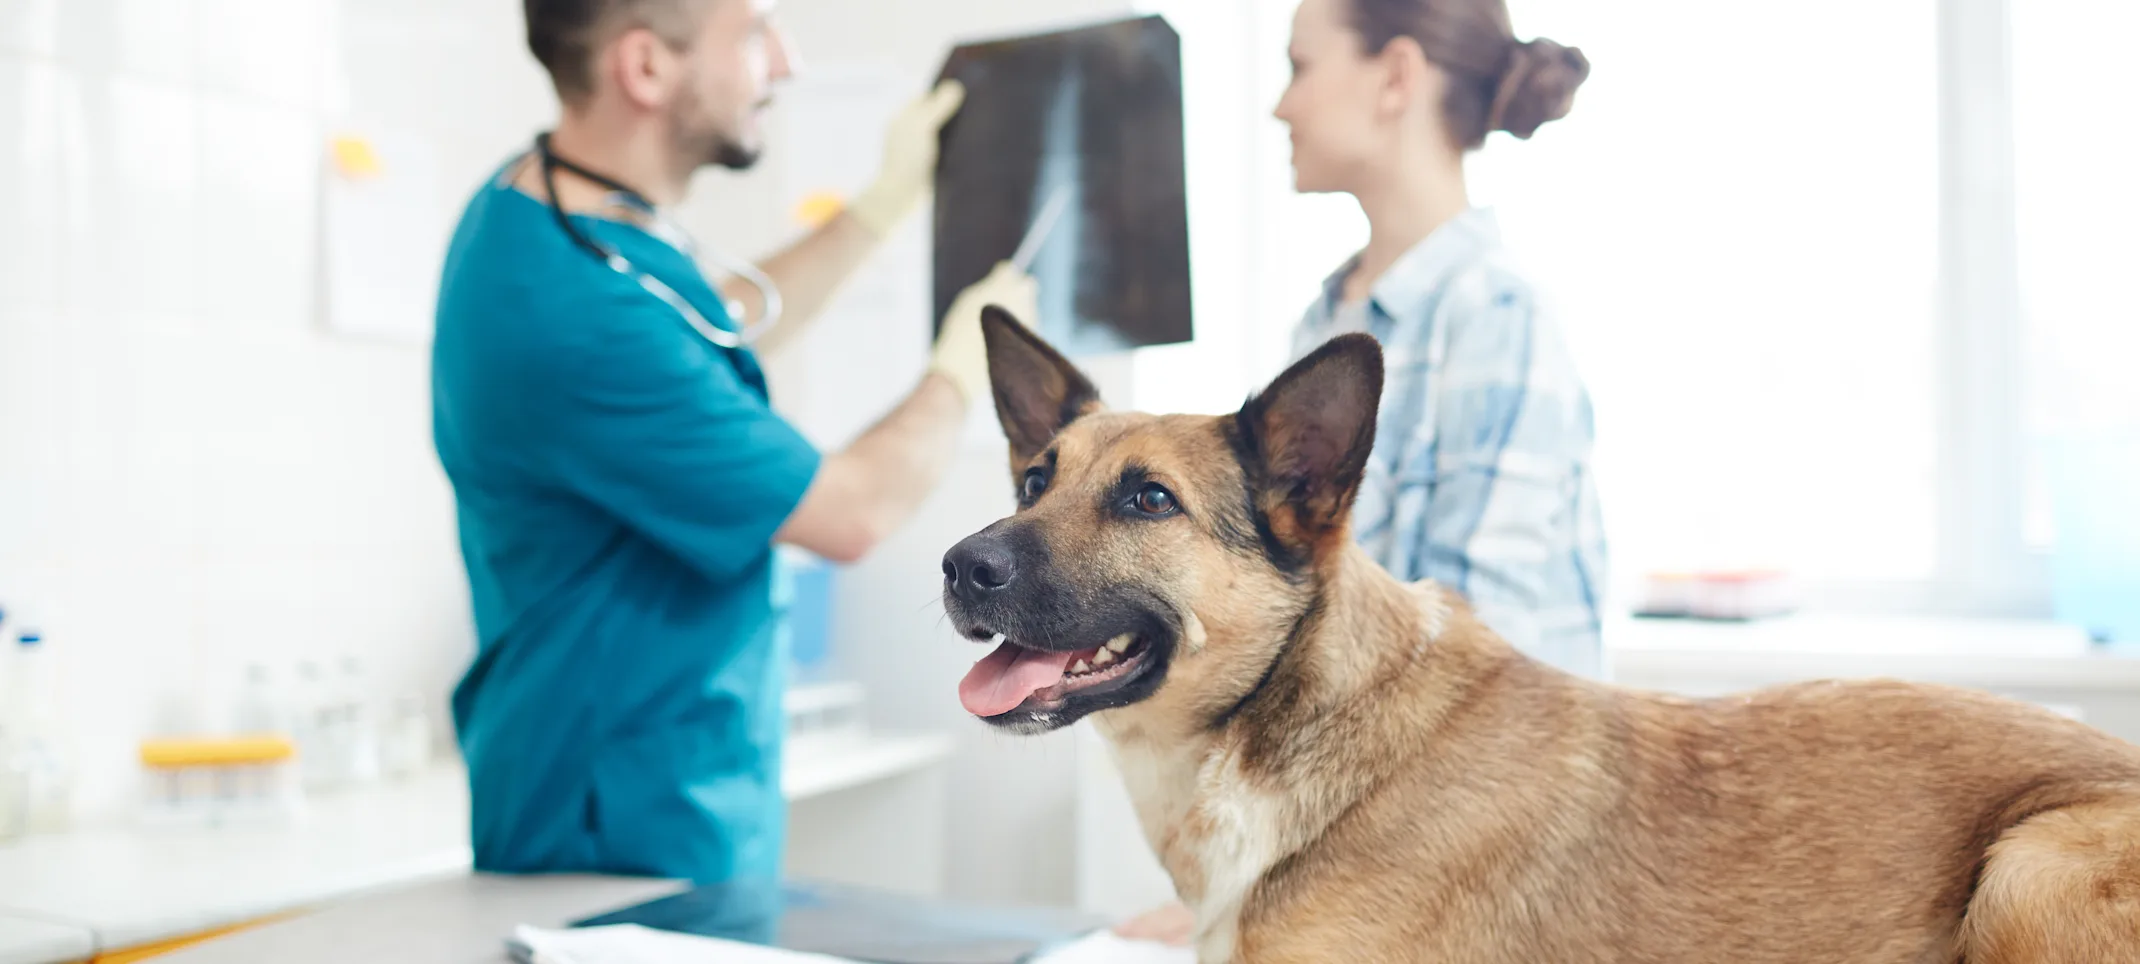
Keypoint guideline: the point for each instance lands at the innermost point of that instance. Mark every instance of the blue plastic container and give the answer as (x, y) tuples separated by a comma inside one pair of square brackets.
[(802, 602), (2095, 569)]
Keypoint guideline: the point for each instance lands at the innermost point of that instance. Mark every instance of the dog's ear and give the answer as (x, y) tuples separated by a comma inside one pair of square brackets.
[(1306, 438), (1037, 390)]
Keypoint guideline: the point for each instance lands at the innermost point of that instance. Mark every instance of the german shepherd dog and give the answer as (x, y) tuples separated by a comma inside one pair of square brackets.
[(1334, 765)]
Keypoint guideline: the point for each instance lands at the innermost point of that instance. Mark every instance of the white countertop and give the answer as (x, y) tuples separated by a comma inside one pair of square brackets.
[(460, 921), (815, 768), (1971, 652), (130, 886), (134, 886), (25, 941)]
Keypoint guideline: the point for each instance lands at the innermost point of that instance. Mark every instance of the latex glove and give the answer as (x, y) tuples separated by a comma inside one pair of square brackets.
[(961, 353), (909, 165)]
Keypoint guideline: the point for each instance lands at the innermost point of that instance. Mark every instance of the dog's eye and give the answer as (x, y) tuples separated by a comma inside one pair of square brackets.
[(1036, 482), (1154, 500)]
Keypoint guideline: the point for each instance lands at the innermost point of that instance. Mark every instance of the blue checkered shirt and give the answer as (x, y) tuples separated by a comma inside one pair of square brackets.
[(1480, 478)]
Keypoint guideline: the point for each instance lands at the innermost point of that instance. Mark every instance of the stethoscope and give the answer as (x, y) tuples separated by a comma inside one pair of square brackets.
[(671, 234)]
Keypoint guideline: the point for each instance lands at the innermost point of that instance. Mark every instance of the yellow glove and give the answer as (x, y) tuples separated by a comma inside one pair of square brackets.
[(909, 165), (961, 354)]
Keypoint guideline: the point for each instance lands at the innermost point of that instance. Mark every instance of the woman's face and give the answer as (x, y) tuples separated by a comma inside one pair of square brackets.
[(1351, 112), (1331, 107)]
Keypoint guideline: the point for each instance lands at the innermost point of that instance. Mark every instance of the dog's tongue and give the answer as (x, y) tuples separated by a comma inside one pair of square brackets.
[(1003, 679)]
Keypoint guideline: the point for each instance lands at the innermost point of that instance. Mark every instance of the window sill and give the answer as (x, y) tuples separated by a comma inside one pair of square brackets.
[(1704, 658)]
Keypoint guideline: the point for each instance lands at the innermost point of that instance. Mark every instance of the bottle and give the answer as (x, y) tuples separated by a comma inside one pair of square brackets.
[(313, 728), (14, 790), (359, 726), (14, 783), (42, 747), (405, 740), (12, 692), (260, 710)]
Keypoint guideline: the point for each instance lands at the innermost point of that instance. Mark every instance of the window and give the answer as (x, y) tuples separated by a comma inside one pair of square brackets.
[(1743, 240), (1785, 247), (2077, 205)]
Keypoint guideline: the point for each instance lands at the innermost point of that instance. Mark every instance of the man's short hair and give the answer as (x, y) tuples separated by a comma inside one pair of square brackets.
[(564, 34)]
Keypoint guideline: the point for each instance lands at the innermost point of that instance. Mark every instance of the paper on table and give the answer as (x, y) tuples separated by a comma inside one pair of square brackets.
[(633, 944), (1104, 947)]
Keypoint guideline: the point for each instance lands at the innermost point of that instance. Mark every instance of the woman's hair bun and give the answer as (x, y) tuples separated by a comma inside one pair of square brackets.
[(1537, 86)]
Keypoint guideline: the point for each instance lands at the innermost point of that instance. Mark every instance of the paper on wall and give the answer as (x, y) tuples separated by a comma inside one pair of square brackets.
[(384, 235), (870, 344)]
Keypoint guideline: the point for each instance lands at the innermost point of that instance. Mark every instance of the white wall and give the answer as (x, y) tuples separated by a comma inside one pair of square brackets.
[(193, 474)]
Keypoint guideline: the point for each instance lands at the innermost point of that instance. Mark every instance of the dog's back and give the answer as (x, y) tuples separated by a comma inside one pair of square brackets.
[(1546, 818)]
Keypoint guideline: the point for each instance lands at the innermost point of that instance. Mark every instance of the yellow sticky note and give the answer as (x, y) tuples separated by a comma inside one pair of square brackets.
[(819, 207), (354, 157)]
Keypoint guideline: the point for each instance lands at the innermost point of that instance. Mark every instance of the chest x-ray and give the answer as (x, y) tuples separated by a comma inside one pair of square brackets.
[(1090, 121)]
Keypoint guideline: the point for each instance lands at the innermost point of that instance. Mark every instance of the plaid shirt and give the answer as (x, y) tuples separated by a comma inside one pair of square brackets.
[(1480, 478)]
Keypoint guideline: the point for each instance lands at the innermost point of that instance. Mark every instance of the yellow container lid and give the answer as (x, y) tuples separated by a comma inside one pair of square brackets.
[(216, 751)]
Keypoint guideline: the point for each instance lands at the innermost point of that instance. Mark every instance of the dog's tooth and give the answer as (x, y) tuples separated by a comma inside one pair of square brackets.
[(1103, 657), (996, 640), (1081, 667), (1119, 643)]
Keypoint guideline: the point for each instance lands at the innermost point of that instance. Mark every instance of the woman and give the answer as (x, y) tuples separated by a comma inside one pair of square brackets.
[(1480, 477)]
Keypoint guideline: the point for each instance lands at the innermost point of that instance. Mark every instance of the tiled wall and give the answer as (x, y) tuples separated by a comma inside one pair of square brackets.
[(193, 473)]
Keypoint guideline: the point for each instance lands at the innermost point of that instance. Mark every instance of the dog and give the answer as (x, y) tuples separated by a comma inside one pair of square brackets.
[(1334, 765)]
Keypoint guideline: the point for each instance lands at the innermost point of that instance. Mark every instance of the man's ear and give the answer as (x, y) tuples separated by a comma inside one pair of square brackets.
[(1305, 441), (642, 65), (1037, 390)]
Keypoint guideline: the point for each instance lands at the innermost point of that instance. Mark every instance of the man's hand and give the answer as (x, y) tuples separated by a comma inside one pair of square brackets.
[(961, 354), (1172, 924), (909, 166), (812, 269)]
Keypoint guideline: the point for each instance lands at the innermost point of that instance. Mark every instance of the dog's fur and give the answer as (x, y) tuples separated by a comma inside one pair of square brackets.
[(1336, 766)]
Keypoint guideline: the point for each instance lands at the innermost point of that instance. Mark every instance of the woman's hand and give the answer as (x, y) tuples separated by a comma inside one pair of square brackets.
[(1172, 924)]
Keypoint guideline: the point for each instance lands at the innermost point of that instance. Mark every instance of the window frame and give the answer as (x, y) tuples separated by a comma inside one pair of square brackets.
[(1985, 564)]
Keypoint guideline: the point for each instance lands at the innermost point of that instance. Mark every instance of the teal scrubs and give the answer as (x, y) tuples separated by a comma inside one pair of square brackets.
[(618, 482)]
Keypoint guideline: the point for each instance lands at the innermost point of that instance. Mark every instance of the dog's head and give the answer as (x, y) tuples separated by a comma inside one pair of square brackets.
[(1157, 563)]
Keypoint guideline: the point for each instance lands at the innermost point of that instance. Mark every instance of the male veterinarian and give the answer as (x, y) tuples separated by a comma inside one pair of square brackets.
[(619, 478)]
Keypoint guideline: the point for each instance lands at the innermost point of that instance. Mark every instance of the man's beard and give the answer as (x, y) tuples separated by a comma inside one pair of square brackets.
[(734, 156), (700, 143)]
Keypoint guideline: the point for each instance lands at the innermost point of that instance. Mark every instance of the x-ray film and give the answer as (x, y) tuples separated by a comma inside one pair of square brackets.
[(1068, 152)]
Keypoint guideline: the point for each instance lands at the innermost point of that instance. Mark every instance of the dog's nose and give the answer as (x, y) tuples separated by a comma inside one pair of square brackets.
[(978, 566)]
